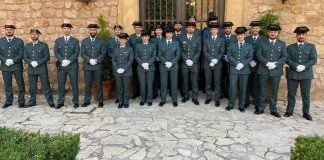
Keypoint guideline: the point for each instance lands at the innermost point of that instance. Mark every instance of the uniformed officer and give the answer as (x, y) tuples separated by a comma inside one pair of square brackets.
[(212, 19), (145, 55), (229, 38), (178, 30), (272, 55), (11, 55), (66, 51), (198, 32), (157, 41), (240, 54), (135, 39), (301, 58), (214, 48), (93, 52), (36, 55), (190, 46), (114, 42), (122, 60), (254, 39), (169, 55)]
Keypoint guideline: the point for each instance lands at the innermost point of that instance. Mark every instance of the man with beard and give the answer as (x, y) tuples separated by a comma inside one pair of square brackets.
[(11, 55), (272, 55), (114, 42), (301, 58), (190, 45), (135, 39), (93, 52), (37, 55), (178, 30), (66, 51)]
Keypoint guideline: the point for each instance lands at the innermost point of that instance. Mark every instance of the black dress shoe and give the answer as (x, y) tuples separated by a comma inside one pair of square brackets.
[(287, 114), (228, 108), (276, 114), (6, 105), (117, 101), (217, 103), (58, 106), (195, 101), (85, 104), (100, 105), (161, 104), (308, 117), (149, 103), (257, 112), (175, 104), (120, 106), (126, 105), (21, 105), (76, 105), (207, 101), (242, 110), (142, 103), (184, 100), (52, 105)]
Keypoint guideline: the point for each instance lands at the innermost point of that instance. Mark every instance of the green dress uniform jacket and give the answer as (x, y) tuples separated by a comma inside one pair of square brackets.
[(169, 53), (268, 52), (12, 50), (38, 52), (300, 55), (213, 49), (95, 49), (236, 55), (190, 50), (70, 51), (123, 58)]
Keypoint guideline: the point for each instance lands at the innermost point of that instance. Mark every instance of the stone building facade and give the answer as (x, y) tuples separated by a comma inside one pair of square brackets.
[(47, 15)]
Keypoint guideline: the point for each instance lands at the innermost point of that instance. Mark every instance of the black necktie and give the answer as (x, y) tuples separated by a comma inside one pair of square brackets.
[(227, 37), (240, 45), (254, 38), (300, 45), (272, 42)]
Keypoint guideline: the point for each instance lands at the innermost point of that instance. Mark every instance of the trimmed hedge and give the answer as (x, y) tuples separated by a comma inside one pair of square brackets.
[(308, 148), (21, 145)]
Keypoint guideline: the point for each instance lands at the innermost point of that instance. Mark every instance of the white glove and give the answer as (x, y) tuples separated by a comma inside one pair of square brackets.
[(211, 64), (189, 62), (145, 66), (9, 62), (253, 63), (120, 70), (271, 65), (168, 64), (300, 68), (225, 58), (93, 62), (65, 62), (34, 64), (239, 66), (215, 61)]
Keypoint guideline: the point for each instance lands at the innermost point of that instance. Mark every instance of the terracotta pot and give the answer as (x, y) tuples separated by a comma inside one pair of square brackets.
[(107, 89)]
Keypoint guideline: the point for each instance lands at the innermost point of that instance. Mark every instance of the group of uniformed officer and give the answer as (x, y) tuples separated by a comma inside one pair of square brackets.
[(232, 62)]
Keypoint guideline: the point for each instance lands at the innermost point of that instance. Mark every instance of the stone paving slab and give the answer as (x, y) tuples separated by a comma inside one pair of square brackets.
[(186, 132)]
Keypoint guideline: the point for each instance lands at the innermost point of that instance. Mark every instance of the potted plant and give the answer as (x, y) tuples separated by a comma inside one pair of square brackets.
[(107, 74)]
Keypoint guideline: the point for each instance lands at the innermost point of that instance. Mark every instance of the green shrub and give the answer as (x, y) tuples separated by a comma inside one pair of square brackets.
[(308, 148), (267, 18), (21, 145)]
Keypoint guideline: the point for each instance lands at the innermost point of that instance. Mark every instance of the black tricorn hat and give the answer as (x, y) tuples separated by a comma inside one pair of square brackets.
[(240, 30), (177, 22), (123, 35), (168, 30), (93, 26), (118, 26), (212, 18), (301, 29), (228, 24), (213, 25), (137, 23), (273, 27), (145, 33), (255, 23), (35, 31), (67, 25), (10, 26), (193, 24)]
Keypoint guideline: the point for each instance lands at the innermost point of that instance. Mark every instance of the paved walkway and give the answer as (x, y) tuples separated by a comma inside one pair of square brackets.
[(187, 132)]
